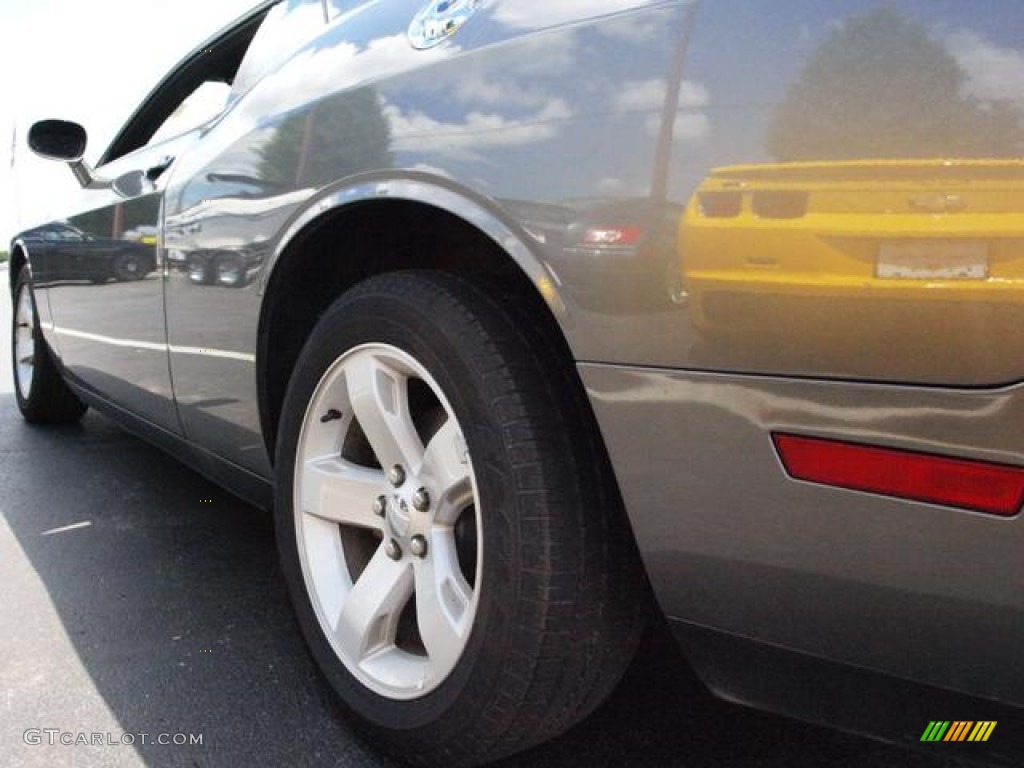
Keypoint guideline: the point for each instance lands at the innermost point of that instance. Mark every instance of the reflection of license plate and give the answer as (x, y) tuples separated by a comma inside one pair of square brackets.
[(933, 261)]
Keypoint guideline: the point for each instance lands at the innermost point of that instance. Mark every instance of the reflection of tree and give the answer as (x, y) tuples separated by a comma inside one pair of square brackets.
[(881, 87), (342, 135)]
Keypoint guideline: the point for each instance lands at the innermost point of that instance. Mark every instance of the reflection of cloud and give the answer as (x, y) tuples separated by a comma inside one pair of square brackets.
[(640, 96), (638, 30), (538, 57), (689, 128), (993, 72), (476, 88), (419, 131), (518, 81), (293, 25), (647, 95), (538, 14), (320, 71)]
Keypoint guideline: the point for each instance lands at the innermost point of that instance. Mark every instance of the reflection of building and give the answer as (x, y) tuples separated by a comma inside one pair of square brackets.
[(914, 253)]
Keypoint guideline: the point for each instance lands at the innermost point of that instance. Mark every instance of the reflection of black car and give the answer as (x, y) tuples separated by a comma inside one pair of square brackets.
[(64, 252)]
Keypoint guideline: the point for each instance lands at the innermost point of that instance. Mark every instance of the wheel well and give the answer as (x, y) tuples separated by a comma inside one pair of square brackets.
[(18, 260), (346, 247)]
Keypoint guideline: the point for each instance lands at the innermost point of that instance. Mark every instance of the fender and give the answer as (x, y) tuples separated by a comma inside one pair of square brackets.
[(479, 212)]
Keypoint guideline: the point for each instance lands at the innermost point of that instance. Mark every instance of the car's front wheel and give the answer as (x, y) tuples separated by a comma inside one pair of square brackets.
[(42, 395), (455, 548), (129, 266)]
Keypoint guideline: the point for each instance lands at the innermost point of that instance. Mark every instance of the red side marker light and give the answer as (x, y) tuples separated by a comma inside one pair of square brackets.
[(996, 489)]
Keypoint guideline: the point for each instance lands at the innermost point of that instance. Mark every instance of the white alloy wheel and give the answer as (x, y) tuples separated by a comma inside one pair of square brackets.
[(386, 517)]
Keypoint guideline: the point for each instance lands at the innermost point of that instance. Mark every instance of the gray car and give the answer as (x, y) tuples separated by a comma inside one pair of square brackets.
[(541, 319)]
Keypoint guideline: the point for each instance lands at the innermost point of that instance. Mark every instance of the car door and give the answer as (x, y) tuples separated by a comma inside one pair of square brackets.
[(106, 292), (108, 310)]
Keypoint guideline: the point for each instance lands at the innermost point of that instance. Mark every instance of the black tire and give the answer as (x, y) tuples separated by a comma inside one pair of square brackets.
[(129, 267), (199, 270), (563, 600), (48, 399), (229, 270)]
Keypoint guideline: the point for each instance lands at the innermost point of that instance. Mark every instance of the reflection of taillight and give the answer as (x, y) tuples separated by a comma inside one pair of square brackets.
[(976, 485), (611, 236), (720, 205), (780, 205)]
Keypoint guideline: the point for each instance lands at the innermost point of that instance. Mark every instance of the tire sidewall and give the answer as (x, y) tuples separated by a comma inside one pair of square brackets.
[(24, 283), (450, 363)]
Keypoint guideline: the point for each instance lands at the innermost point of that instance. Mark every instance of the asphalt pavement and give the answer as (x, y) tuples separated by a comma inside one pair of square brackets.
[(138, 598)]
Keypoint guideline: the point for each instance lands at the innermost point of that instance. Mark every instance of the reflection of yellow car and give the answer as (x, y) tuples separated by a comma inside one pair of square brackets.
[(921, 250)]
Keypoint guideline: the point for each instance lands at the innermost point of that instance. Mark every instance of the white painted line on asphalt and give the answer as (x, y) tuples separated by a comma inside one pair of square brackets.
[(66, 528)]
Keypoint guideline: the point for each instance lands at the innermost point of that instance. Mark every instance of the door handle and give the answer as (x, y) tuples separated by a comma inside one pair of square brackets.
[(157, 170)]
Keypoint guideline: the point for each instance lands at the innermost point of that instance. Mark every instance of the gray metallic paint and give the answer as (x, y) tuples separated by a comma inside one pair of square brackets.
[(924, 592), (516, 125)]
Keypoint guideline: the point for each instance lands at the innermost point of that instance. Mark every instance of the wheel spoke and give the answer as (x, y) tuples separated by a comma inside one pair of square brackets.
[(380, 400), (337, 490), (442, 603), (372, 608), (446, 471)]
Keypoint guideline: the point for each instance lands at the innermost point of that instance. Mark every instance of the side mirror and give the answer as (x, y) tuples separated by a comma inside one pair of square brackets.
[(57, 140), (66, 141), (132, 184)]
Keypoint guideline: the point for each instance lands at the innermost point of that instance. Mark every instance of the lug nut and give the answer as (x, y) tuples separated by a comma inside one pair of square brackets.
[(380, 506), (421, 500), (396, 475), (418, 546), (393, 550)]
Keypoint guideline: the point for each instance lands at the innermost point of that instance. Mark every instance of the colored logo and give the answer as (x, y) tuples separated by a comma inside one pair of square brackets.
[(958, 730), (439, 20)]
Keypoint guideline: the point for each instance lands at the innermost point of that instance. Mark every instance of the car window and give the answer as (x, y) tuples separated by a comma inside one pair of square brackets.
[(61, 235), (193, 92)]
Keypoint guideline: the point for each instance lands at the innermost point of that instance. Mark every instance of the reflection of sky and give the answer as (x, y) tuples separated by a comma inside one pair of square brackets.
[(767, 49), (595, 91), (548, 111), (746, 53)]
